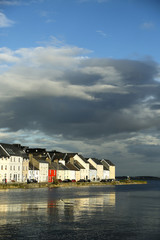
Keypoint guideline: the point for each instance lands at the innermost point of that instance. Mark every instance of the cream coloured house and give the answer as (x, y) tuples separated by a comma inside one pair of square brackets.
[(98, 166), (25, 169), (110, 167), (40, 163)]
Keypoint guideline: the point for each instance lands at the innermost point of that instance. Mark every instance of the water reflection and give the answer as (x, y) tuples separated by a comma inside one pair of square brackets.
[(25, 212), (77, 206), (74, 205), (124, 212)]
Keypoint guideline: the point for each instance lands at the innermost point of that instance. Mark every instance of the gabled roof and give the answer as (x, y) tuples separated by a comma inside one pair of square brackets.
[(8, 150), (62, 167), (78, 165), (91, 167), (105, 167), (68, 156), (58, 155), (53, 166), (97, 161), (58, 166), (83, 158), (3, 153), (108, 162), (71, 166)]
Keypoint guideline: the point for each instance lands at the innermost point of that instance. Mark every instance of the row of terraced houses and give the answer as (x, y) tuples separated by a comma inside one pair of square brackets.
[(20, 163)]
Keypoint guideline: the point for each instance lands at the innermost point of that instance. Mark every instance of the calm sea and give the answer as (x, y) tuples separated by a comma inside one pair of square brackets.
[(103, 212)]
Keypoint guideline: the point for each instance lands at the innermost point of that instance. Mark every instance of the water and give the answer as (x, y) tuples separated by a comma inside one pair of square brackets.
[(97, 213)]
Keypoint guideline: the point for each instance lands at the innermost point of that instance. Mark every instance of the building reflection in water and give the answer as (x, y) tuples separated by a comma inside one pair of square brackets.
[(71, 208), (75, 208)]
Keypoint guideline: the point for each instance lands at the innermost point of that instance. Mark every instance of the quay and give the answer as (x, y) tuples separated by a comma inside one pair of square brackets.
[(70, 184)]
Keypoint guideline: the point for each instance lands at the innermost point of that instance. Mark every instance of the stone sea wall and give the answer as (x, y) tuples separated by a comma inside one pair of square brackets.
[(70, 184)]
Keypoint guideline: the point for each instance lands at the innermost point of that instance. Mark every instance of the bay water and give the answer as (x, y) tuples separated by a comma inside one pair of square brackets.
[(129, 212)]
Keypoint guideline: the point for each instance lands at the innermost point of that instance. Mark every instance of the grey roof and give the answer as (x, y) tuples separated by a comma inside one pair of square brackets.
[(62, 167), (83, 158), (8, 150), (58, 155), (105, 167), (41, 159), (91, 167), (108, 162), (71, 166), (53, 166), (58, 166), (97, 161), (3, 153), (68, 156), (78, 165), (31, 167)]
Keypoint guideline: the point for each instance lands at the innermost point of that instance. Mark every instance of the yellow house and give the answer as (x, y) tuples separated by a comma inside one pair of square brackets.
[(110, 166)]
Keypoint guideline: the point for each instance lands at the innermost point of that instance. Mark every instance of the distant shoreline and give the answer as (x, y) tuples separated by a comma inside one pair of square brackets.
[(64, 185)]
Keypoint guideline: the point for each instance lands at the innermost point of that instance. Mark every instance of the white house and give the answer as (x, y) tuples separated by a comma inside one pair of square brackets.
[(62, 172), (92, 172), (33, 173), (84, 173), (11, 159)]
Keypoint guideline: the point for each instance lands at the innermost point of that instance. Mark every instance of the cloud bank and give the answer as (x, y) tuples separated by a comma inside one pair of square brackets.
[(93, 105)]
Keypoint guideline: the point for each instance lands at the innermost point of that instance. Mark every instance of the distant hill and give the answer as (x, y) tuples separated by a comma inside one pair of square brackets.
[(137, 178)]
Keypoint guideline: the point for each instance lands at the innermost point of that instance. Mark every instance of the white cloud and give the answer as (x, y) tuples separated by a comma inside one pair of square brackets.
[(7, 56), (40, 72), (4, 21)]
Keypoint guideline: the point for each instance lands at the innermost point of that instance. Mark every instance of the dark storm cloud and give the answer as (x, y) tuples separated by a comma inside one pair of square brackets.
[(77, 118), (150, 153), (79, 98)]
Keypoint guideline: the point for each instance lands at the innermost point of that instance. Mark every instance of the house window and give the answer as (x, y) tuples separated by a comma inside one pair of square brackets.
[(18, 176), (5, 167), (18, 168), (10, 167), (1, 167), (13, 167), (10, 176)]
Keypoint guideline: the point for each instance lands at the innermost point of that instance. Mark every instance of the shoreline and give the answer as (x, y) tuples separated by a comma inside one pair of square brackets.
[(65, 185)]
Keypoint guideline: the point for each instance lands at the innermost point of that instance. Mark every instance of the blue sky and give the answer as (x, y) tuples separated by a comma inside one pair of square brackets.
[(83, 76), (116, 29)]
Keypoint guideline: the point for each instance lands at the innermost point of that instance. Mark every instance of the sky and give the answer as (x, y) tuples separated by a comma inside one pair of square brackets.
[(83, 76)]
